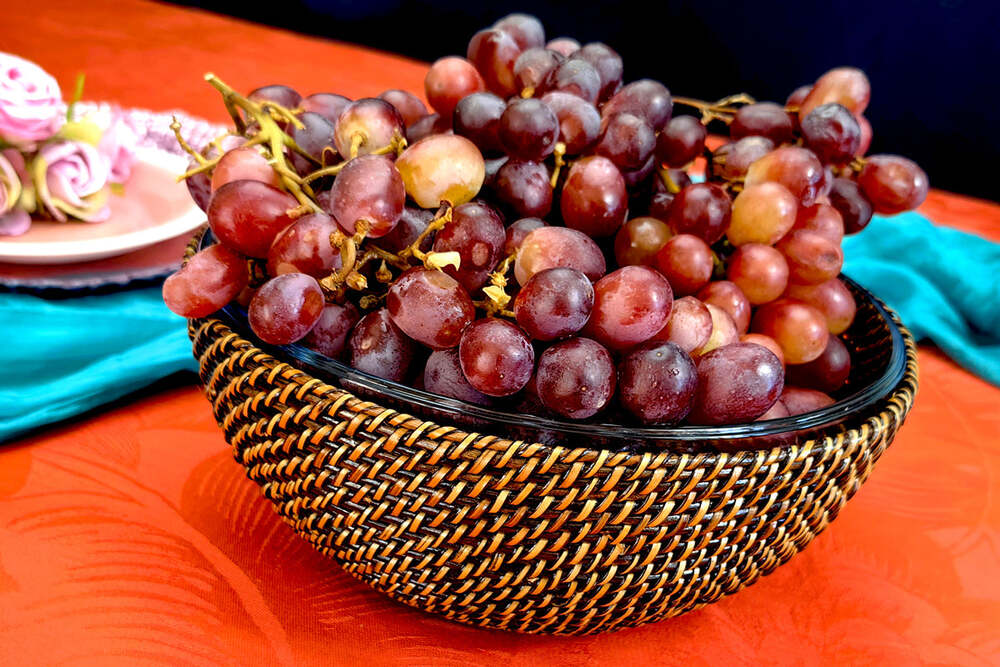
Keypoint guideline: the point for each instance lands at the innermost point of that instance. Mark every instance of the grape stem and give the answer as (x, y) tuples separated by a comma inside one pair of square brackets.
[(271, 133), (397, 145), (559, 151), (722, 109), (668, 181)]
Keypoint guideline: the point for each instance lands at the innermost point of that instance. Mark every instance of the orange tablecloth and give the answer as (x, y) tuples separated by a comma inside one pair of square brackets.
[(132, 536)]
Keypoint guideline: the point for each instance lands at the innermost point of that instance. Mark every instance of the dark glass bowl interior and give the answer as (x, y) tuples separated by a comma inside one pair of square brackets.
[(878, 355)]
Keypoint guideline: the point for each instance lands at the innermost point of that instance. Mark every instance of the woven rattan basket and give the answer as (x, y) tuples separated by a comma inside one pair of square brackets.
[(524, 536)]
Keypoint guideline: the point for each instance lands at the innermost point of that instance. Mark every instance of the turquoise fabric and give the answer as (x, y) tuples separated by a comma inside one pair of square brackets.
[(944, 283), (64, 357)]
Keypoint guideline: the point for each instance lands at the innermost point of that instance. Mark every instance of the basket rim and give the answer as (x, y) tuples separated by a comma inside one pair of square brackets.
[(905, 382)]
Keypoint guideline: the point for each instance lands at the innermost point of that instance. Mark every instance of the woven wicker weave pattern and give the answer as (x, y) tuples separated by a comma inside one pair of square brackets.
[(523, 536)]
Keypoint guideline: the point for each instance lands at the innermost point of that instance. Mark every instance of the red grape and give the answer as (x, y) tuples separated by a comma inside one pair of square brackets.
[(368, 188), (285, 308), (799, 401), (430, 307), (378, 347), (316, 138), (304, 247), (427, 126), (494, 52), (526, 30), (208, 281), (564, 45), (608, 64), (477, 118), (533, 65), (449, 80), (477, 234), (736, 383), (579, 121), (776, 411), (812, 258), (893, 184), (630, 306), (831, 298), (626, 140), (645, 98), (576, 77), (657, 382), (442, 167), (797, 327), (798, 169), (371, 122), (731, 161), (844, 85), (723, 331), (576, 378), (277, 93), (411, 224), (689, 325), (554, 303), (525, 187), (248, 215), (798, 96), (702, 209), (760, 271), (763, 119), (728, 296), (549, 247), (244, 163), (822, 219), (409, 106), (765, 341), (328, 105), (639, 239), (594, 200), (762, 213), (866, 135), (528, 129), (329, 336), (686, 262), (443, 375), (828, 372), (496, 357), (681, 141)]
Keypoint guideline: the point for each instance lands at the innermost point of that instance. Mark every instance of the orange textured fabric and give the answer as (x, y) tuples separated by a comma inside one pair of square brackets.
[(132, 536)]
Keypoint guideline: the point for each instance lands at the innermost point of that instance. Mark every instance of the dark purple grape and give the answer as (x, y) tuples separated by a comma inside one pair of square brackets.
[(328, 105), (496, 357), (477, 234), (430, 124), (412, 223), (528, 129), (285, 308), (576, 77), (443, 375), (832, 133), (317, 139), (378, 347), (731, 161), (626, 140), (517, 232), (681, 141), (657, 382), (736, 384), (763, 119), (477, 118), (524, 186), (494, 52), (277, 93), (430, 307), (702, 209), (594, 199), (409, 106), (645, 98), (492, 168), (828, 372), (576, 378), (554, 303), (329, 336), (852, 204), (608, 64)]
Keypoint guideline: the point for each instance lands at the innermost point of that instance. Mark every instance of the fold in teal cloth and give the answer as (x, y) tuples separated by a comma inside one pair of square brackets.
[(65, 357)]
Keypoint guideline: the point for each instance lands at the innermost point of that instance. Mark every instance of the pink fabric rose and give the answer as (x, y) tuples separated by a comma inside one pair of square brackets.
[(30, 101), (71, 178), (118, 144), (12, 222)]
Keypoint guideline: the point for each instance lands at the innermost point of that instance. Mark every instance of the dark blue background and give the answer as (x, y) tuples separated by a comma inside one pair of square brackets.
[(933, 64)]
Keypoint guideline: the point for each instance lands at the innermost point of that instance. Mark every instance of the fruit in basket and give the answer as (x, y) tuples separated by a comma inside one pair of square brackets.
[(537, 241)]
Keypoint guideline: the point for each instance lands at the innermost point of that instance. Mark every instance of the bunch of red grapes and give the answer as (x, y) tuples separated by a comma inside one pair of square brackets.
[(536, 242)]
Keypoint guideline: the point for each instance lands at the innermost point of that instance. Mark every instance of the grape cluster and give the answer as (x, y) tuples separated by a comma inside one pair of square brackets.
[(536, 241)]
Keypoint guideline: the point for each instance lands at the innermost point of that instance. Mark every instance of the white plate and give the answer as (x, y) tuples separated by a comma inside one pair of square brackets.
[(154, 208)]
